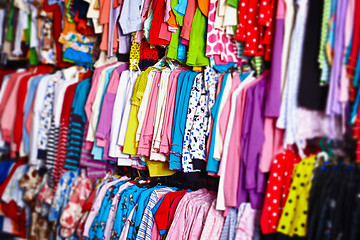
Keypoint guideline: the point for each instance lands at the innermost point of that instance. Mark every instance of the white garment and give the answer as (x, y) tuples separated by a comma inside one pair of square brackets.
[(130, 16), (288, 118), (22, 24), (59, 99), (94, 118), (34, 40), (94, 14), (38, 102), (125, 119), (144, 103), (219, 140), (13, 190), (104, 60), (127, 108), (159, 117), (230, 19), (220, 14), (22, 5), (220, 204), (117, 114)]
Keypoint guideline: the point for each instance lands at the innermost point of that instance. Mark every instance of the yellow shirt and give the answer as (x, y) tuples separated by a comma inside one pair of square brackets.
[(139, 88), (293, 220)]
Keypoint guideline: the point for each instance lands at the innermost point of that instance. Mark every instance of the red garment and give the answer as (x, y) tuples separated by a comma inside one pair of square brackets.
[(59, 169), (4, 72), (83, 27), (88, 204), (9, 87), (19, 117), (277, 190), (162, 214), (267, 20), (172, 210), (21, 97), (355, 44), (158, 20), (255, 27)]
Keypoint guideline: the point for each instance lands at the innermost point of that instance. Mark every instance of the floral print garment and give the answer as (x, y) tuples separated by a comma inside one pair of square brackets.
[(73, 211)]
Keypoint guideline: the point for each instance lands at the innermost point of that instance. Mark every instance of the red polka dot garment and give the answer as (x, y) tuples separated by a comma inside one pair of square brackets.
[(277, 190), (255, 27)]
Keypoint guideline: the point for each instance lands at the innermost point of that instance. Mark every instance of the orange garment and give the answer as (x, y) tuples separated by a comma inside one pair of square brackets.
[(104, 19), (105, 36), (204, 6), (68, 26), (104, 11), (172, 20)]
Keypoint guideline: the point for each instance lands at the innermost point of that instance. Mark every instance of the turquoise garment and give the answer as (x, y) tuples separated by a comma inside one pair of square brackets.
[(180, 8), (77, 124), (99, 151), (181, 52), (34, 82), (180, 113), (105, 210), (213, 164), (223, 67), (143, 201), (127, 202)]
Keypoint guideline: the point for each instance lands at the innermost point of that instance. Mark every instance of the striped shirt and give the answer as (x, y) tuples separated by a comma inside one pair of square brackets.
[(147, 220), (76, 126)]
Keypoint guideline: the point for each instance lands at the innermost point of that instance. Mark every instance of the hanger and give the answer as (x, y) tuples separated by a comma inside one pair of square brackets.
[(322, 157), (133, 63)]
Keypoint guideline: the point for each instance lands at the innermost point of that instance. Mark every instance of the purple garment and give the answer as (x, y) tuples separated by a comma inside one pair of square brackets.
[(104, 126), (252, 180), (273, 94), (333, 106)]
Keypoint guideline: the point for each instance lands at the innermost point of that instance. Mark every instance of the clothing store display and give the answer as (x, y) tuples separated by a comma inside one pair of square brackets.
[(180, 119)]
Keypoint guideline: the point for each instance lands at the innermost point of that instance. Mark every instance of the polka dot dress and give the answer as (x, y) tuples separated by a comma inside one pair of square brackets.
[(277, 190), (255, 27), (294, 216), (134, 53), (148, 56)]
